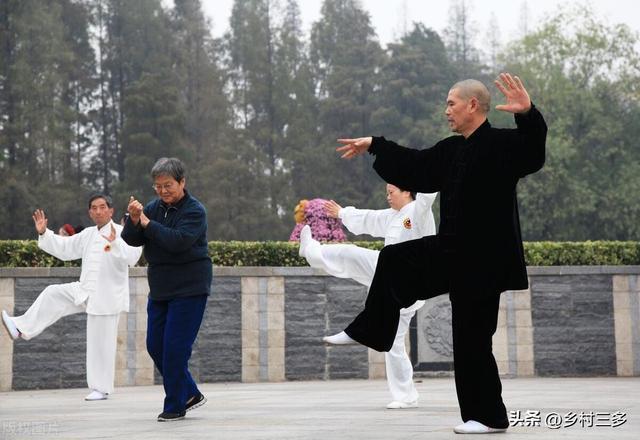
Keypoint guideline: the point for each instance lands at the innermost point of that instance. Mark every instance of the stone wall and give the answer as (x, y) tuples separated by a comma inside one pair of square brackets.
[(266, 324)]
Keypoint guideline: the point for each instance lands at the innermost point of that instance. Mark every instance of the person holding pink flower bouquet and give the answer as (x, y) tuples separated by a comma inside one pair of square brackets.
[(408, 217)]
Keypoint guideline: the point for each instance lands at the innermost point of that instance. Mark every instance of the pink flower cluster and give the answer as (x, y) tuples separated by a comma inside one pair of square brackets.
[(323, 227)]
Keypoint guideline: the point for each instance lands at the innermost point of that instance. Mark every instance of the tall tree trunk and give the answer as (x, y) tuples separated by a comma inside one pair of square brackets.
[(104, 103), (7, 62)]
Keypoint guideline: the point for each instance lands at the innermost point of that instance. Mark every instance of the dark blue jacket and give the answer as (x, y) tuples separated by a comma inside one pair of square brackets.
[(175, 247)]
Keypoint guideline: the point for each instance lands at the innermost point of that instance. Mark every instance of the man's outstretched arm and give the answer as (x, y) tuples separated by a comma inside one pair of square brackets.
[(408, 168)]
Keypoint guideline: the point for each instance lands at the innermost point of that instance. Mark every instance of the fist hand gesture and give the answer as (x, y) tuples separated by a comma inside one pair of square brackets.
[(135, 210)]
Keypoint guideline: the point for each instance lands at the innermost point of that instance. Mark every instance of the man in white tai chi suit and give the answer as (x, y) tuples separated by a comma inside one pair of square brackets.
[(408, 218), (102, 292)]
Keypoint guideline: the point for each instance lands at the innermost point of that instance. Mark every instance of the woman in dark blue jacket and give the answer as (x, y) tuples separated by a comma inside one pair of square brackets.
[(173, 231)]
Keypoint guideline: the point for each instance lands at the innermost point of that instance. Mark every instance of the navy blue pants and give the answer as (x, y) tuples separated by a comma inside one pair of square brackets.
[(172, 327)]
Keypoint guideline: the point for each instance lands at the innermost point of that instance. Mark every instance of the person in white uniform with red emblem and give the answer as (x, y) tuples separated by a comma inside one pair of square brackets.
[(409, 217), (102, 291)]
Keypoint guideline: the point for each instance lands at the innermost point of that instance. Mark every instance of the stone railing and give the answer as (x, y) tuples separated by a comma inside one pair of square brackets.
[(266, 324)]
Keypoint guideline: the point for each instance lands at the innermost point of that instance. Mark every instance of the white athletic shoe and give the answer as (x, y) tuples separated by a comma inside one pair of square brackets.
[(11, 328), (339, 339), (396, 404), (473, 427), (96, 395), (305, 239)]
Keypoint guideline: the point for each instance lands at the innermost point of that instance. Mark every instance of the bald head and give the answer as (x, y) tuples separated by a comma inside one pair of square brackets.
[(472, 88)]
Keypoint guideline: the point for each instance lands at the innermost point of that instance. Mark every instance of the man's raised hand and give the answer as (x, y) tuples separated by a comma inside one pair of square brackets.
[(518, 100), (332, 208), (353, 147), (112, 235), (135, 210), (40, 221)]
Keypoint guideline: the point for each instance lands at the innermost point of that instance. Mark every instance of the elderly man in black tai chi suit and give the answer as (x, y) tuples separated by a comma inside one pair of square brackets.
[(477, 253)]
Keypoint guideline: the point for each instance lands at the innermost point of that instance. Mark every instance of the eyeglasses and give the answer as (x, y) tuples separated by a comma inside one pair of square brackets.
[(166, 186)]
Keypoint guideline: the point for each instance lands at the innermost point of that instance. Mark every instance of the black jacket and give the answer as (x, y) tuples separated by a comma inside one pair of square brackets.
[(175, 246), (479, 234)]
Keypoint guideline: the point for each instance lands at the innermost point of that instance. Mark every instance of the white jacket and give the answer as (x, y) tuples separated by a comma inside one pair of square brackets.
[(414, 220), (104, 278)]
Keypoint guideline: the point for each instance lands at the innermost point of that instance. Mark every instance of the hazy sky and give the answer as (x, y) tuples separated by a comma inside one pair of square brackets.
[(388, 16)]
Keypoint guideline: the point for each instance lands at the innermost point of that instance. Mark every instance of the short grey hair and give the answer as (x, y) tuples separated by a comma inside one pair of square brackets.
[(168, 166), (98, 195), (472, 88)]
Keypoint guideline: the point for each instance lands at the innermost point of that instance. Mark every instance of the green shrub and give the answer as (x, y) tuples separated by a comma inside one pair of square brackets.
[(264, 253), (584, 253), (24, 253)]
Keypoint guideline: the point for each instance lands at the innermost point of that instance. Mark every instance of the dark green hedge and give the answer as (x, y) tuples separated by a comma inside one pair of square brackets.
[(17, 253), (583, 253), (263, 253), (25, 253)]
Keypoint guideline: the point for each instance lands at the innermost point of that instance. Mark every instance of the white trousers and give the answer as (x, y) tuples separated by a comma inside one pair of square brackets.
[(57, 301), (359, 264)]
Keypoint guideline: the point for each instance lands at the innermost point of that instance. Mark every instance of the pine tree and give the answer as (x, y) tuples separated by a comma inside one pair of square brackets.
[(494, 43), (46, 79), (414, 86), (272, 101), (217, 173), (146, 118), (297, 108), (346, 58), (459, 37)]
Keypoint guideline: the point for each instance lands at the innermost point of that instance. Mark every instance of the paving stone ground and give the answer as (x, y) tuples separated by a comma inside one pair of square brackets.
[(323, 410)]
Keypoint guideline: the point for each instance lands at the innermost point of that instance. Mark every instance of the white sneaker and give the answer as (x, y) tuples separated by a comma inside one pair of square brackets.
[(96, 395), (396, 404), (473, 427), (305, 239), (11, 328), (339, 339)]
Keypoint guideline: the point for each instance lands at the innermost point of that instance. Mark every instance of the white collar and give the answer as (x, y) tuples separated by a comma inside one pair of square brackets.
[(105, 228), (406, 207)]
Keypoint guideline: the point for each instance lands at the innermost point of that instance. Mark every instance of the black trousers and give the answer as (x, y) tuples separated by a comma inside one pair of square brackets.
[(417, 269)]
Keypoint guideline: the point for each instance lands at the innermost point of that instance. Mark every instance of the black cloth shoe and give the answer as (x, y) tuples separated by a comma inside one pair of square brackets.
[(170, 417), (195, 402)]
